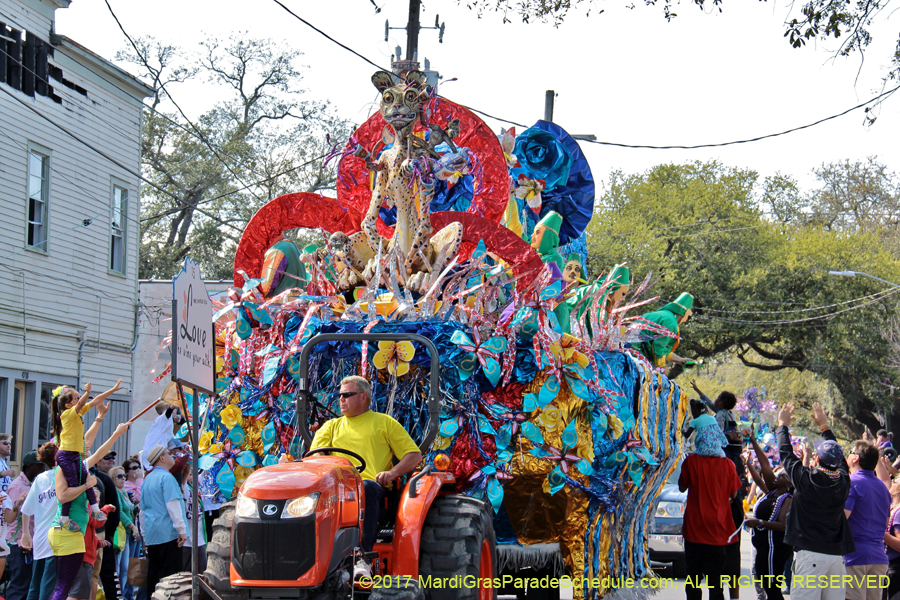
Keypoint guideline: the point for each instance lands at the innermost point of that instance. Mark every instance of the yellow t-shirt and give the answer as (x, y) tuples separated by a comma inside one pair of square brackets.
[(72, 437), (373, 435)]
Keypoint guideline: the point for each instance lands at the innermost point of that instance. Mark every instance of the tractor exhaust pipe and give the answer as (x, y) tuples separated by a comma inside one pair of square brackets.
[(304, 395)]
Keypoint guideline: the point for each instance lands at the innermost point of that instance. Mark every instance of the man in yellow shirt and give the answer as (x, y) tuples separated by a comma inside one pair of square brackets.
[(378, 438)]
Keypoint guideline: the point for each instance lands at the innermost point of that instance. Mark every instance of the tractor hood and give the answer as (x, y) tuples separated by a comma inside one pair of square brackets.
[(299, 478)]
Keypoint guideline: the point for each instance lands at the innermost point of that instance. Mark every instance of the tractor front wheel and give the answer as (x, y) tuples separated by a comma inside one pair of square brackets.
[(174, 587), (218, 555), (458, 555)]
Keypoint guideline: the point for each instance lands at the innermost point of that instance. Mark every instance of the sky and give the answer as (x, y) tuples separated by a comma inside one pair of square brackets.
[(625, 75)]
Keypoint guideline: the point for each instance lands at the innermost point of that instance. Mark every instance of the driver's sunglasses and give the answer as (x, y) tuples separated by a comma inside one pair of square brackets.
[(348, 394)]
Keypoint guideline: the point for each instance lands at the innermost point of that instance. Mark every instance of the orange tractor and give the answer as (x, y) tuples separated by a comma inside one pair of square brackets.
[(294, 529)]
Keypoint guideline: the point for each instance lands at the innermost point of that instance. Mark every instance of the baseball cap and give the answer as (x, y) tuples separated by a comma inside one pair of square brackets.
[(829, 452), (31, 459)]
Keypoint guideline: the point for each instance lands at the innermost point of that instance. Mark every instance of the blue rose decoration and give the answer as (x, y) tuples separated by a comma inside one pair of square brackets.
[(542, 156)]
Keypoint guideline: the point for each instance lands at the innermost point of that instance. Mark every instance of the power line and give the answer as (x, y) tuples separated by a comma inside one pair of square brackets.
[(319, 31), (792, 321), (796, 310), (599, 142), (84, 223), (110, 159), (260, 182), (172, 100), (169, 120)]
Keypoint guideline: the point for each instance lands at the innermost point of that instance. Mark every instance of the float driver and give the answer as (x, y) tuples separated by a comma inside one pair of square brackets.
[(378, 438)]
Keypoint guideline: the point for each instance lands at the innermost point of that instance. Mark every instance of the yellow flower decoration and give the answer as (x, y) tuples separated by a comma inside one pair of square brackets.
[(616, 426), (205, 441), (441, 443), (394, 356), (215, 448), (240, 475), (565, 349), (550, 418), (231, 416)]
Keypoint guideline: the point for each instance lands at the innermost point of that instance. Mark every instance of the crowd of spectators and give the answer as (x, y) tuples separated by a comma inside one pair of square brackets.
[(138, 534), (824, 521)]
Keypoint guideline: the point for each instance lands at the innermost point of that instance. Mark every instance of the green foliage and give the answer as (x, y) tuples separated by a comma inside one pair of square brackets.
[(761, 286), (259, 139)]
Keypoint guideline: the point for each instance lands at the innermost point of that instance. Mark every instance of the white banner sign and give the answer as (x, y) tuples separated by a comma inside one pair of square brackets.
[(193, 342)]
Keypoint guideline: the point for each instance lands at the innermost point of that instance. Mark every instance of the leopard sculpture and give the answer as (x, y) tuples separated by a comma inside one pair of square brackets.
[(405, 179)]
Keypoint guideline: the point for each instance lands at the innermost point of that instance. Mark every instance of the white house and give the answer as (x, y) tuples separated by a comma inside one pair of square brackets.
[(70, 132)]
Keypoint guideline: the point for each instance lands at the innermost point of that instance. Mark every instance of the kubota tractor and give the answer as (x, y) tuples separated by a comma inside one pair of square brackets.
[(294, 529)]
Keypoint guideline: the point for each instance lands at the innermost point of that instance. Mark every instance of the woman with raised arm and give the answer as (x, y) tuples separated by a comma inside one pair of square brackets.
[(767, 524)]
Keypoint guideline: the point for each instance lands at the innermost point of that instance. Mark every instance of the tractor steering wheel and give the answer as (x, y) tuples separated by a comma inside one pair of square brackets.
[(360, 468)]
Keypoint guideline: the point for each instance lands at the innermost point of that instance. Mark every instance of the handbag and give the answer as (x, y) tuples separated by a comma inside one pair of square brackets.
[(119, 537), (137, 571)]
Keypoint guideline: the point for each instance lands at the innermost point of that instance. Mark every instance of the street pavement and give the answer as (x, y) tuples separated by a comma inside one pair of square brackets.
[(676, 590), (673, 589)]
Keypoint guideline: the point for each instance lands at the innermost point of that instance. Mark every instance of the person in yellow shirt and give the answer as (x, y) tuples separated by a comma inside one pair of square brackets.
[(68, 427), (378, 438)]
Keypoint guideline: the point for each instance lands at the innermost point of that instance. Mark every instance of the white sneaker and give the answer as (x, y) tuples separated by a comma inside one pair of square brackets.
[(362, 570)]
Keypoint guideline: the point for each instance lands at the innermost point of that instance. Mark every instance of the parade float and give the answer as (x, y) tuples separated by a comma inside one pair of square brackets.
[(549, 411)]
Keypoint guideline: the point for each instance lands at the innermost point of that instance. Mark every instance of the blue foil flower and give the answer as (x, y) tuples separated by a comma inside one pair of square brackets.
[(542, 156)]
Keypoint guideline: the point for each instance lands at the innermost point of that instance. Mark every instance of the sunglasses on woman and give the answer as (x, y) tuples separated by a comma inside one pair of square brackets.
[(120, 476)]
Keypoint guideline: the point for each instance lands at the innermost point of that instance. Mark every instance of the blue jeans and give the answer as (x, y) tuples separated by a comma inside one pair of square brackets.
[(43, 578), (132, 550), (19, 574)]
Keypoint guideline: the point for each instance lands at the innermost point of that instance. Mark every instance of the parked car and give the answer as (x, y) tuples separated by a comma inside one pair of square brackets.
[(666, 543)]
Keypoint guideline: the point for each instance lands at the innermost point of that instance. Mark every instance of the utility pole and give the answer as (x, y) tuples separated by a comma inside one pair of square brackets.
[(412, 30), (413, 27), (548, 105)]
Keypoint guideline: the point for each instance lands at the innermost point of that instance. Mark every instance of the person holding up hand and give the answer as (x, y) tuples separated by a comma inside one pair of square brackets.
[(816, 525), (68, 427)]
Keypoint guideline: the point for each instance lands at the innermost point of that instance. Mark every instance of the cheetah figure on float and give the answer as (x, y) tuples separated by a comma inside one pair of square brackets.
[(406, 179)]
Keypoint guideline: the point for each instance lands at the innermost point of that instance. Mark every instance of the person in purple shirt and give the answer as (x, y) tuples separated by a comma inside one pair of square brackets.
[(882, 439), (867, 508), (892, 541)]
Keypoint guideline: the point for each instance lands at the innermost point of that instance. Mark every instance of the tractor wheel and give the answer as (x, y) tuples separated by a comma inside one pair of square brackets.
[(218, 555), (458, 545), (173, 587)]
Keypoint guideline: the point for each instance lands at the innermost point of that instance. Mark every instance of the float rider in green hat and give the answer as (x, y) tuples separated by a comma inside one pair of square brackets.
[(572, 278), (671, 317), (619, 279), (545, 239), (282, 268)]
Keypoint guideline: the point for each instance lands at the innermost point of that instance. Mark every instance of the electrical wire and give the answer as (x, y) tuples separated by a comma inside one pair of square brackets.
[(260, 182), (175, 104), (127, 134), (884, 292), (792, 321), (84, 223), (110, 159), (599, 142)]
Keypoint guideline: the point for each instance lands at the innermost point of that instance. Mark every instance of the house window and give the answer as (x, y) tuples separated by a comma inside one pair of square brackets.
[(117, 230), (38, 198)]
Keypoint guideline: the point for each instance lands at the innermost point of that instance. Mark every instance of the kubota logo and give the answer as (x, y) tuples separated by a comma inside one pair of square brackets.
[(270, 509)]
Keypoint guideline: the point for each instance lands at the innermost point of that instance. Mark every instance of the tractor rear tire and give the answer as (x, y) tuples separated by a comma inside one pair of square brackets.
[(174, 587), (218, 555), (458, 530)]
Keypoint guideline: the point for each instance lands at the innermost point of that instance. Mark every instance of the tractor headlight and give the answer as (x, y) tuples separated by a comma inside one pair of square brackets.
[(301, 507), (246, 507)]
